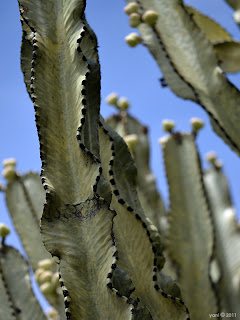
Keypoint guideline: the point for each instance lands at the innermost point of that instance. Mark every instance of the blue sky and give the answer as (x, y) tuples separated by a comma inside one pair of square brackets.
[(131, 72)]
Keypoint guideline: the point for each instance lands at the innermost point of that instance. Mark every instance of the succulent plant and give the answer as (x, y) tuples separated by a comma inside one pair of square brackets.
[(100, 240)]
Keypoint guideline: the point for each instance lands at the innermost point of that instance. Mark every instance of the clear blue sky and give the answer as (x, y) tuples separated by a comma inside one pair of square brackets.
[(131, 72)]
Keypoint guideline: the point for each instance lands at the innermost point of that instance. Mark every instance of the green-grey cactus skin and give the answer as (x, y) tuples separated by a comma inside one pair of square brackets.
[(227, 239), (128, 229), (235, 4), (78, 225), (190, 238), (190, 67), (18, 301), (225, 48), (25, 197), (151, 201)]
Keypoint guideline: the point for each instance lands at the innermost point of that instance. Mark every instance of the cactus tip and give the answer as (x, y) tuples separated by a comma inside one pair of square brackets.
[(162, 141), (131, 141), (10, 162), (211, 157), (197, 124), (4, 230), (168, 125), (9, 172)]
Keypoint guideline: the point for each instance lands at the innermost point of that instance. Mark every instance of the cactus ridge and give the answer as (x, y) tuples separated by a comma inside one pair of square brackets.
[(66, 297), (144, 223), (175, 209), (84, 100), (113, 268), (28, 199), (14, 270), (204, 192), (189, 85), (9, 297)]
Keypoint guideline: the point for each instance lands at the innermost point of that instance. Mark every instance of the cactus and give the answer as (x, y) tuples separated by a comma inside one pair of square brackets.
[(94, 226), (193, 73)]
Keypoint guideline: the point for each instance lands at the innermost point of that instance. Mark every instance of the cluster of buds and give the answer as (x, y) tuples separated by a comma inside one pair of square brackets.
[(121, 103), (9, 172), (135, 19), (211, 157), (197, 124), (47, 279)]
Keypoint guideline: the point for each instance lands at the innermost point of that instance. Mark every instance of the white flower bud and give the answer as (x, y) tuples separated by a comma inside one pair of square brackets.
[(9, 173), (4, 230), (37, 274), (46, 276), (236, 16), (45, 264), (11, 162), (197, 124), (168, 125), (211, 157), (218, 164), (55, 280), (134, 20), (150, 17), (133, 39), (112, 98), (131, 8), (123, 103), (47, 288)]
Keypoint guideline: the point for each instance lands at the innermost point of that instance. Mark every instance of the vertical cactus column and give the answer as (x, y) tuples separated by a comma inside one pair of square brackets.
[(18, 301), (227, 238), (190, 237)]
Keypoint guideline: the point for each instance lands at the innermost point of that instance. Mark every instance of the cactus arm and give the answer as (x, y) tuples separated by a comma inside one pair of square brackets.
[(235, 4), (212, 30), (25, 197), (190, 229), (17, 287), (227, 238), (7, 309), (149, 196), (134, 237), (59, 72), (228, 52), (193, 60), (76, 225)]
